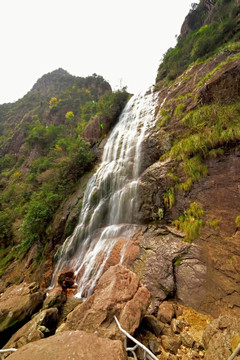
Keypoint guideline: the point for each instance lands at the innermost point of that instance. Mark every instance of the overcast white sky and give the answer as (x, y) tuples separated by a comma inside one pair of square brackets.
[(122, 40)]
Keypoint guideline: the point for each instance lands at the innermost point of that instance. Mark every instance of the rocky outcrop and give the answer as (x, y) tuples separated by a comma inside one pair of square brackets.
[(159, 249), (224, 86), (118, 293), (18, 303), (198, 16), (66, 279), (39, 327), (55, 298), (221, 337), (152, 184), (217, 249), (71, 345), (206, 277), (99, 126), (67, 216), (178, 337)]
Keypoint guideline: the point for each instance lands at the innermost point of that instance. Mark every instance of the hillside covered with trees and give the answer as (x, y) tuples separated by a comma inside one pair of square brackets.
[(44, 153)]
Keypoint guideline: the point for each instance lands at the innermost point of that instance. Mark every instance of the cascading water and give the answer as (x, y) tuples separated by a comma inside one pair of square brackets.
[(110, 200)]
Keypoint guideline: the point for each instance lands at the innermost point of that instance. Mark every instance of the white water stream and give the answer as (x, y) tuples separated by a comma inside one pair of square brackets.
[(110, 199)]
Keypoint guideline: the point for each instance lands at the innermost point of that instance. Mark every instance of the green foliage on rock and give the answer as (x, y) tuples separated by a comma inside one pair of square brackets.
[(191, 222), (169, 198), (237, 221)]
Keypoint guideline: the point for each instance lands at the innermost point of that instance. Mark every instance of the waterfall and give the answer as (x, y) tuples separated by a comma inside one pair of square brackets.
[(110, 200)]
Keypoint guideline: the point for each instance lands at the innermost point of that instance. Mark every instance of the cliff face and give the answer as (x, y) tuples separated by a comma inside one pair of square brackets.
[(198, 16), (195, 184)]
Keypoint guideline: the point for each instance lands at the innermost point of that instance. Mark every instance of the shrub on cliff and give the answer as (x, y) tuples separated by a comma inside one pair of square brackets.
[(203, 40)]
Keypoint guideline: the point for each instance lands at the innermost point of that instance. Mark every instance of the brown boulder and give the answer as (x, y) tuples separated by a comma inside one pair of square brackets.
[(187, 339), (17, 303), (36, 329), (55, 298), (166, 312), (118, 293), (76, 345), (152, 324), (171, 343), (66, 279), (134, 309)]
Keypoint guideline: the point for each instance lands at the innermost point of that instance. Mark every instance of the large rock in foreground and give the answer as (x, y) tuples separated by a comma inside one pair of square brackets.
[(18, 303), (118, 293), (76, 345)]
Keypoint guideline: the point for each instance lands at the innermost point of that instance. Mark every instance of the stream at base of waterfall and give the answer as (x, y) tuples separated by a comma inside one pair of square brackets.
[(110, 200)]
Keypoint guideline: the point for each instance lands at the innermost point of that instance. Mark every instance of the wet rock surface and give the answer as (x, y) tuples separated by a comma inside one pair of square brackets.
[(154, 264), (118, 293), (152, 184)]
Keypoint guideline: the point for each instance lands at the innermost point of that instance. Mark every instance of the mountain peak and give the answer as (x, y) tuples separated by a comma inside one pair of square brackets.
[(53, 82)]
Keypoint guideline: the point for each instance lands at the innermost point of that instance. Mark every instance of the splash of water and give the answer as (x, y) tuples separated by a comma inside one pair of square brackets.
[(110, 200)]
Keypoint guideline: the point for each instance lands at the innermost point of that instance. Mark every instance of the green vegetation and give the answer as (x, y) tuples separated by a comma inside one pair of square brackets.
[(209, 129), (211, 126), (203, 40), (213, 223), (178, 113), (237, 221), (218, 67), (38, 178), (164, 118), (169, 198), (190, 223), (178, 260), (195, 170)]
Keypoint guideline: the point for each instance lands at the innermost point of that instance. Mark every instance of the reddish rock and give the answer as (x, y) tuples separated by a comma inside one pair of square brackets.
[(117, 293), (77, 345), (134, 310), (208, 277), (47, 278), (166, 312)]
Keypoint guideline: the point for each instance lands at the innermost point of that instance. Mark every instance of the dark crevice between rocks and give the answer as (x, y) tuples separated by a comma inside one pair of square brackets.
[(12, 329)]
